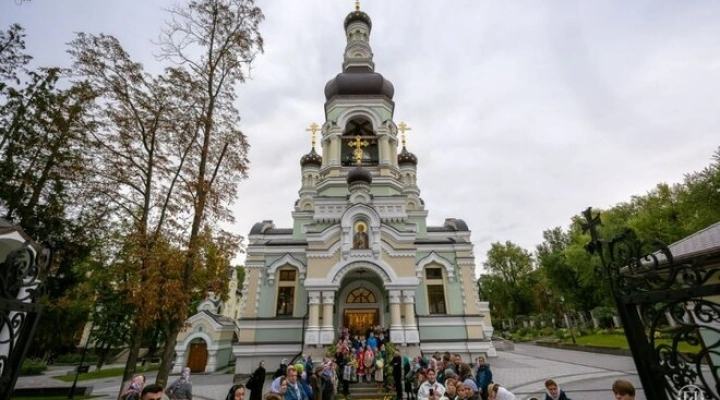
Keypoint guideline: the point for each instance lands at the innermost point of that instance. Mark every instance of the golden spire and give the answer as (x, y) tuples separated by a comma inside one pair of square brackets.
[(312, 129), (357, 5), (358, 144), (402, 128)]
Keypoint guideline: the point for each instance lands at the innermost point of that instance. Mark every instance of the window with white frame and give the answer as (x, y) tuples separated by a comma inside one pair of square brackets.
[(435, 286), (287, 282)]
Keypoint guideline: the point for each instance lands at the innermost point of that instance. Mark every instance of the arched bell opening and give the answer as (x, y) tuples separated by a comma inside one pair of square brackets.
[(359, 134)]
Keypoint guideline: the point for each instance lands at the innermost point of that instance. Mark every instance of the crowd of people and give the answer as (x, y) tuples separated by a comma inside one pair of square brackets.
[(440, 377)]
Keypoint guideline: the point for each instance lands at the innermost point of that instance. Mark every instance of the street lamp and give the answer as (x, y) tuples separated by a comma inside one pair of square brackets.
[(568, 322), (98, 307)]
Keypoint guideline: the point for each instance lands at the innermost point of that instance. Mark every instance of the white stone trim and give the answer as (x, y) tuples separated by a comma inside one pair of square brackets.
[(434, 258), (287, 259), (328, 253), (360, 111), (351, 215), (396, 253), (460, 320), (201, 316), (271, 324)]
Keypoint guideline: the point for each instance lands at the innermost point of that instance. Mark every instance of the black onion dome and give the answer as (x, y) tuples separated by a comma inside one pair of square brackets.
[(406, 157), (311, 158), (358, 16), (359, 81), (359, 174)]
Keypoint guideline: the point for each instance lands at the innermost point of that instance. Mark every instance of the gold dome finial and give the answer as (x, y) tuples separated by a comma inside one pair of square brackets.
[(402, 128), (357, 5), (312, 129)]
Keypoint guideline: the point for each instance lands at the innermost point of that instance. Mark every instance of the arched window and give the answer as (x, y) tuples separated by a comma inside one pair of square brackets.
[(435, 285), (287, 282), (360, 295), (362, 128)]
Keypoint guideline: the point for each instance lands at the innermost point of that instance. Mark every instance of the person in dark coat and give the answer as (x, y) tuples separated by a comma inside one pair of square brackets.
[(256, 382), (282, 371), (397, 371)]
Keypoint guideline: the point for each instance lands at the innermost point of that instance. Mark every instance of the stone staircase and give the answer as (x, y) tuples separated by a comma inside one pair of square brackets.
[(364, 390)]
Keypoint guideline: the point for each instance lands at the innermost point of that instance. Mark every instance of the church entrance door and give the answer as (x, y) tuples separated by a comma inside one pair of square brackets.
[(360, 321)]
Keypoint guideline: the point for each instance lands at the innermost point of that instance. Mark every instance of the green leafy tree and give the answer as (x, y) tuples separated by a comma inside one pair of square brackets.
[(213, 43), (44, 123), (511, 285)]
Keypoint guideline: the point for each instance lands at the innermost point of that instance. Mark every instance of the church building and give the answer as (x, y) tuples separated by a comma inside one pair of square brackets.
[(360, 253)]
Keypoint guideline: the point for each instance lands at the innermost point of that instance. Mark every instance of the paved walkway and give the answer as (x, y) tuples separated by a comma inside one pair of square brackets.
[(585, 376)]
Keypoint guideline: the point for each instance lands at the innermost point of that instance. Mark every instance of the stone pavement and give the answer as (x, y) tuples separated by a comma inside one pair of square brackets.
[(585, 376)]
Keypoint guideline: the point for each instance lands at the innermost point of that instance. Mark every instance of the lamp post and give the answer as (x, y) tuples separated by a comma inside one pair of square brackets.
[(568, 322), (98, 307)]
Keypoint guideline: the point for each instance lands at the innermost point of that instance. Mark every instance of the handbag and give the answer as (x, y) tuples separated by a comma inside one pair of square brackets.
[(250, 384)]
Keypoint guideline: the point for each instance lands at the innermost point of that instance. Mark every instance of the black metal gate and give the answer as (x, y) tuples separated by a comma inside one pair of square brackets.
[(669, 309), (21, 276)]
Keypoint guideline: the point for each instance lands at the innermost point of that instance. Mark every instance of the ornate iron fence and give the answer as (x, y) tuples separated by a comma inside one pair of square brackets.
[(669, 311), (21, 276)]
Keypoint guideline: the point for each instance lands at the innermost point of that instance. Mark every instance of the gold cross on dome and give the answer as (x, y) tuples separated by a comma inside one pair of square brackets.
[(358, 144), (402, 128), (312, 129), (357, 5)]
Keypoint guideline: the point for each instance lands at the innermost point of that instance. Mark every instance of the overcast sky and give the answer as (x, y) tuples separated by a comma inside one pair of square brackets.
[(523, 113)]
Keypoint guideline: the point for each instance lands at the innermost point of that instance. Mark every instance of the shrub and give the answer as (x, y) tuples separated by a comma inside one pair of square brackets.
[(547, 331), (74, 358), (32, 367)]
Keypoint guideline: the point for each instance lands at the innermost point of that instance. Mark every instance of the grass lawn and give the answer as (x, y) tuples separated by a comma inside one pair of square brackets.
[(103, 373), (619, 341)]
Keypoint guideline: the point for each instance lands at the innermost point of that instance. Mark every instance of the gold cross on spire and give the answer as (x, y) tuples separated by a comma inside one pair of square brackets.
[(358, 144), (312, 129), (357, 5), (402, 128)]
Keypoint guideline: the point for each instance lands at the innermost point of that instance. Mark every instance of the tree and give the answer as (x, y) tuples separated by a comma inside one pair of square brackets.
[(512, 267), (139, 151), (212, 42), (44, 123)]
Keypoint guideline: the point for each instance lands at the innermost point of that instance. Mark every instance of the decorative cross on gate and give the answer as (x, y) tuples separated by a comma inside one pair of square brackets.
[(358, 144)]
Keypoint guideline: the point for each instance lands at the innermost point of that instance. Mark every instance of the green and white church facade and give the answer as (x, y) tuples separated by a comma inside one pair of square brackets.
[(360, 252)]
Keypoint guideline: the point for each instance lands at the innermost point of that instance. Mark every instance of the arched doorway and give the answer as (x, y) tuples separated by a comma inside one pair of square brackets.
[(198, 355), (361, 307)]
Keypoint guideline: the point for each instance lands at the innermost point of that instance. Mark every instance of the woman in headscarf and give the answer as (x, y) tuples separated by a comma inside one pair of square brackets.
[(181, 389), (497, 392), (277, 389), (237, 392), (256, 382)]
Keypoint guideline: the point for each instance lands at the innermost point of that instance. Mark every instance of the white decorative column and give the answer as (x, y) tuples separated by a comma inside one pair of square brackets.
[(397, 335), (327, 333), (312, 333), (412, 336), (384, 150), (211, 365), (335, 145)]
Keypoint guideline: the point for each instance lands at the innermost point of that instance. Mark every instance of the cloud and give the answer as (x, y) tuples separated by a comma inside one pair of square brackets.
[(523, 113)]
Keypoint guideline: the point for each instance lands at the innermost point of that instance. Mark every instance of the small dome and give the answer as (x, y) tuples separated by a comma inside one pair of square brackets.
[(358, 16), (359, 81), (311, 158), (359, 174), (406, 157)]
